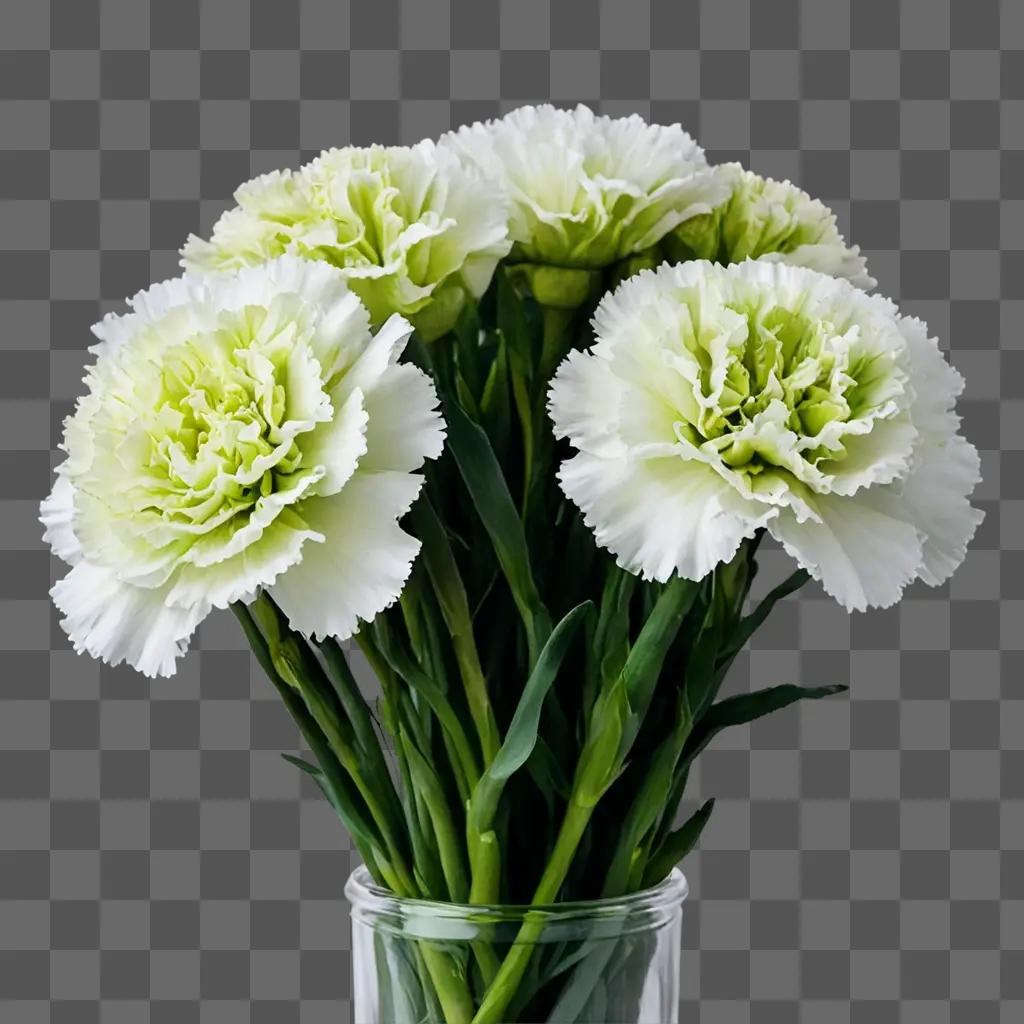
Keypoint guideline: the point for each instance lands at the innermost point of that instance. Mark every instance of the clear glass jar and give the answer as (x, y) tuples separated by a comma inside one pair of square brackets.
[(612, 961)]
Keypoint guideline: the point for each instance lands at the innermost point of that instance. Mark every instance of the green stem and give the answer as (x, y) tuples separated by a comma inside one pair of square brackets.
[(355, 707), (475, 686), (296, 663), (487, 960), (538, 440), (425, 686), (343, 749), (323, 732), (555, 342), (450, 593), (392, 720), (451, 854), (525, 411), (450, 986), (345, 801), (510, 974)]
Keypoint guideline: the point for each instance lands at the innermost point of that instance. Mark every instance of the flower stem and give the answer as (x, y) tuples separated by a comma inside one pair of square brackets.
[(338, 785), (510, 974), (556, 341), (451, 854), (452, 992)]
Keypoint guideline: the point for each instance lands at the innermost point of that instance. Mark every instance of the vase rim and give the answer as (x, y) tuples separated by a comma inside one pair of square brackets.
[(366, 895)]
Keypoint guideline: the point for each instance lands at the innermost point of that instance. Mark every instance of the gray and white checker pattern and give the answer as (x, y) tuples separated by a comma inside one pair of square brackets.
[(158, 862)]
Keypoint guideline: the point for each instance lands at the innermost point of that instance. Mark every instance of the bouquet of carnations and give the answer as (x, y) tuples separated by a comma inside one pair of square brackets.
[(514, 412)]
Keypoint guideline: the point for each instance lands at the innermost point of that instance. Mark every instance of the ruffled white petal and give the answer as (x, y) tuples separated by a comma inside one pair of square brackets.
[(408, 227), (773, 221), (228, 419), (382, 351), (320, 287), (879, 456), (588, 190), (862, 556), (934, 497), (718, 400), (338, 446), (118, 622), (342, 332), (57, 513), (147, 306), (836, 260), (936, 384), (584, 401), (935, 493), (661, 516), (363, 562), (239, 576), (405, 426)]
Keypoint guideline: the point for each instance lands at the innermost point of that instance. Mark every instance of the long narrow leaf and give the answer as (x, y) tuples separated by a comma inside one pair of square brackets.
[(359, 714), (620, 707), (521, 737), (303, 766), (515, 329), (400, 661), (467, 350), (702, 680), (643, 665), (648, 801), (612, 639), (676, 846), (485, 482), (753, 621), (342, 793), (495, 408), (451, 597), (431, 791), (673, 799), (747, 707), (548, 773)]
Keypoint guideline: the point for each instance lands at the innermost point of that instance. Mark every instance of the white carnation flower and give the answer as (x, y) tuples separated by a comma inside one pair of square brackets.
[(588, 191), (239, 433), (412, 230), (717, 401), (769, 220)]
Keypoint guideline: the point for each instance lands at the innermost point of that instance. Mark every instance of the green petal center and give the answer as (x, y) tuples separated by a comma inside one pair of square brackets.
[(774, 388), (204, 422)]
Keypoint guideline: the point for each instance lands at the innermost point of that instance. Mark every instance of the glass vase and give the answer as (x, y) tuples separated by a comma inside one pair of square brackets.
[(610, 961)]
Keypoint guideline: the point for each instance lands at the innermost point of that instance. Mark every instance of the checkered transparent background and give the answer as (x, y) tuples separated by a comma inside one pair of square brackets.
[(158, 862)]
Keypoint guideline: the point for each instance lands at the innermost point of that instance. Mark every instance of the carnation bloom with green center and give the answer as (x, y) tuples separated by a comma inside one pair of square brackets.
[(239, 433), (770, 220), (587, 191), (413, 232), (718, 401)]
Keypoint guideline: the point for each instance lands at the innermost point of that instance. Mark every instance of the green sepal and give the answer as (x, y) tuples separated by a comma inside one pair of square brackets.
[(557, 287)]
